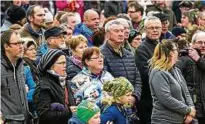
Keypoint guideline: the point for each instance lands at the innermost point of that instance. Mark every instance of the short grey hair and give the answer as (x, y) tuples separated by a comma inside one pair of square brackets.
[(150, 18), (197, 34), (109, 24), (124, 22)]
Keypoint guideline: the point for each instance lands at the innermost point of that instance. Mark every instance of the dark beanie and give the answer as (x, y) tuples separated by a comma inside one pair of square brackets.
[(48, 59), (162, 16), (176, 31), (133, 33), (15, 13)]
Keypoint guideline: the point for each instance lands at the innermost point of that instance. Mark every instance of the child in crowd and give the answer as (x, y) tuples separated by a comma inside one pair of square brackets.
[(87, 113), (117, 108)]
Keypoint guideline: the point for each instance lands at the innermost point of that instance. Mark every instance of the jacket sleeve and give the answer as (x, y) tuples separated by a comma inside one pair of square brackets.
[(186, 91), (45, 112), (31, 84), (137, 85), (161, 87), (106, 116), (141, 61), (181, 63), (201, 64)]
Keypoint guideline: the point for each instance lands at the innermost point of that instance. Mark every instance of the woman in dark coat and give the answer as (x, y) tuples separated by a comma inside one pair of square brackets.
[(53, 96), (78, 44)]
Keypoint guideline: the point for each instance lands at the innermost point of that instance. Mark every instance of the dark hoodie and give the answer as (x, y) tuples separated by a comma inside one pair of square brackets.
[(27, 31)]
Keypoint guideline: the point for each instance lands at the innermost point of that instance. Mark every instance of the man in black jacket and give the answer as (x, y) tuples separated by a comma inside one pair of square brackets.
[(153, 28), (192, 66), (119, 61)]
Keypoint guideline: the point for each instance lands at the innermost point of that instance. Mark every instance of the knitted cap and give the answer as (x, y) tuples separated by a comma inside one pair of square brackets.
[(118, 87), (15, 13), (133, 33), (176, 31), (86, 110), (49, 59)]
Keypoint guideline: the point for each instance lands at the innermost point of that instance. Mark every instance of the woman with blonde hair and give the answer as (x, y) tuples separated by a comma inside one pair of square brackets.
[(78, 44), (171, 99)]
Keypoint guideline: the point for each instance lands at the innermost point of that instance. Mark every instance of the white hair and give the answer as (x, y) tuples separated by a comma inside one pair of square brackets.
[(109, 24), (197, 34), (123, 21), (150, 18)]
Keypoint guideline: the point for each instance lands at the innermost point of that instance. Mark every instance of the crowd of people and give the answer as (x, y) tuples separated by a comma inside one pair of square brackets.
[(102, 62)]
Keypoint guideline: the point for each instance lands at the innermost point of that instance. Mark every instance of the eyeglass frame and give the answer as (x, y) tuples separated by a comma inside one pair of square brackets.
[(152, 28), (18, 43), (100, 56)]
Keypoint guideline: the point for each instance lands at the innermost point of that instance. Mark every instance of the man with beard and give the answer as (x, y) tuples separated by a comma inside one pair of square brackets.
[(160, 6), (55, 38), (135, 11), (153, 29), (35, 18), (192, 65)]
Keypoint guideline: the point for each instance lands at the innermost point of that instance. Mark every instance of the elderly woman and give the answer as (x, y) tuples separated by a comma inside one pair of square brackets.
[(78, 44), (172, 103), (53, 96), (89, 82)]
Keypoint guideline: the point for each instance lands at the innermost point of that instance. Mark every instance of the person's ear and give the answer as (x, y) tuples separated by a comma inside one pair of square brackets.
[(87, 62), (6, 46), (30, 18)]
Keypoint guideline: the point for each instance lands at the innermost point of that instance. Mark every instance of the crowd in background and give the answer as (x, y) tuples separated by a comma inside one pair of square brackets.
[(102, 62)]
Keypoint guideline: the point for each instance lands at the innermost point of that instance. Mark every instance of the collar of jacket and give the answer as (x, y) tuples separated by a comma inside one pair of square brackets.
[(87, 72), (32, 32), (113, 51), (84, 29), (154, 42), (6, 62)]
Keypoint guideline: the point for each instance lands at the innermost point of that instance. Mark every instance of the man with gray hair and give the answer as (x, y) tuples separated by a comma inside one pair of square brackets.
[(119, 61), (127, 29), (192, 65), (153, 29)]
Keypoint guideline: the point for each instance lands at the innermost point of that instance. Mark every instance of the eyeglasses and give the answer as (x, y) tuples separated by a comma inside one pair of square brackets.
[(200, 42), (100, 56), (17, 43), (152, 28)]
